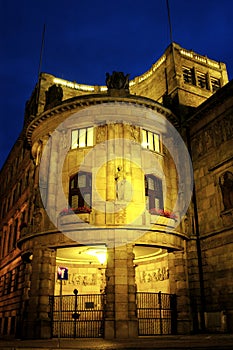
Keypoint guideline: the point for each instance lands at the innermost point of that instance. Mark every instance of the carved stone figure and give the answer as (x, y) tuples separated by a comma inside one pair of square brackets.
[(119, 177), (226, 185), (38, 153), (117, 81), (101, 134), (135, 133), (53, 96)]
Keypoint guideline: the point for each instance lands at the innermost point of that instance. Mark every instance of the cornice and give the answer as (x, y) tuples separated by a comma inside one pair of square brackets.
[(90, 100)]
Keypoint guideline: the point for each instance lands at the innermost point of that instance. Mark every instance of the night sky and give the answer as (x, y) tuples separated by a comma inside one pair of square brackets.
[(86, 39)]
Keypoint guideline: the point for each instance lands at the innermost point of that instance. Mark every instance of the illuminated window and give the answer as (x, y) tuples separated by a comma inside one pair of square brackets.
[(82, 138), (80, 190), (188, 75), (202, 80), (215, 84), (153, 192), (150, 141)]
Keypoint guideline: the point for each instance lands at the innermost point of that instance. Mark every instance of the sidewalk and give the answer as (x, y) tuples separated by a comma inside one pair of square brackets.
[(187, 342)]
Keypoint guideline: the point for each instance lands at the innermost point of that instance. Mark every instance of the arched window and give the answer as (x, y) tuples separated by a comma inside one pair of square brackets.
[(153, 192), (80, 191)]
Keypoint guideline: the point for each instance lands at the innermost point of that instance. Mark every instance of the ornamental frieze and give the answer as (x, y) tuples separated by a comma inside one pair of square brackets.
[(80, 279), (159, 274), (212, 137)]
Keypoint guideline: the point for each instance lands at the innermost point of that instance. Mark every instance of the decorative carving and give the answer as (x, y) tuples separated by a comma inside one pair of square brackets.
[(101, 134), (38, 152), (160, 274), (120, 217), (135, 133), (226, 185), (37, 221), (212, 137), (53, 96), (79, 279), (117, 81)]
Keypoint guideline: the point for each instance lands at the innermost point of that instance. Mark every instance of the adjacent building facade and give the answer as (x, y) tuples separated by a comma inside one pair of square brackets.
[(129, 187)]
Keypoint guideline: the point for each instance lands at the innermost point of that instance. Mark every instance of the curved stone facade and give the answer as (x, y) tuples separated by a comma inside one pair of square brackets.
[(100, 182)]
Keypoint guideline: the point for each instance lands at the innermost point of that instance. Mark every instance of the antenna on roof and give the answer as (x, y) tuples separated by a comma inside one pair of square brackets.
[(41, 51), (39, 71), (169, 20)]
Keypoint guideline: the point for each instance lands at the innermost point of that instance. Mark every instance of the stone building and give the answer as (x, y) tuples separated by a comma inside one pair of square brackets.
[(129, 188)]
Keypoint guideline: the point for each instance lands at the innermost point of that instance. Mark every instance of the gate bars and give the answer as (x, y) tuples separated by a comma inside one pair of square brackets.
[(82, 316), (156, 313)]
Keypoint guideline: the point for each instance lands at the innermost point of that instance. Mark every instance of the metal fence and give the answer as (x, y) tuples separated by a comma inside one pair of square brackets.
[(82, 316), (78, 316), (156, 313)]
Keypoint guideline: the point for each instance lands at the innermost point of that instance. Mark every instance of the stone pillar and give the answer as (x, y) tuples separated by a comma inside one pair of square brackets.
[(42, 286), (120, 317), (177, 265)]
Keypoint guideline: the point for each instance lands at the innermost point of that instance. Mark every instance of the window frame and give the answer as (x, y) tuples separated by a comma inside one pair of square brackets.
[(146, 138), (202, 80), (188, 75), (153, 195), (214, 86), (82, 137), (76, 190)]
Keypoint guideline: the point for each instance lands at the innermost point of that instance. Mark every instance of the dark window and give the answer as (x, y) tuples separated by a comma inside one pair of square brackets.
[(202, 80), (10, 238), (8, 282), (16, 278), (215, 84), (5, 326), (153, 192), (80, 190), (12, 327), (15, 233), (188, 75)]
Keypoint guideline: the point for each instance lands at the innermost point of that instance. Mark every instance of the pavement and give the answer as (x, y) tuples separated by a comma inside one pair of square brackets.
[(183, 342)]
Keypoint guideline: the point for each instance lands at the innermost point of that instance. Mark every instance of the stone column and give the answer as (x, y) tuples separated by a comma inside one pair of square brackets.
[(177, 265), (120, 317), (42, 286)]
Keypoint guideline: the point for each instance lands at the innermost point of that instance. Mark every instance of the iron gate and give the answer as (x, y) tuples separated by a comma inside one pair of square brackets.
[(156, 313), (82, 315), (78, 316)]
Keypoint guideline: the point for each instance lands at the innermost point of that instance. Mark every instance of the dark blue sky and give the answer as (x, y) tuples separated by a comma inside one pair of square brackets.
[(86, 39)]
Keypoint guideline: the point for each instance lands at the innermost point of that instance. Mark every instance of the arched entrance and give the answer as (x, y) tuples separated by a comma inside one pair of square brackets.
[(78, 309)]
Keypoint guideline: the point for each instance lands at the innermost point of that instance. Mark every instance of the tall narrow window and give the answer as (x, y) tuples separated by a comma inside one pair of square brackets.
[(150, 140), (81, 138), (188, 75), (153, 192), (215, 84), (80, 190), (202, 80)]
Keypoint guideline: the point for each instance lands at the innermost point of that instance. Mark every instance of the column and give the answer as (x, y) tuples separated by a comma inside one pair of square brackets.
[(42, 286), (177, 265), (121, 320)]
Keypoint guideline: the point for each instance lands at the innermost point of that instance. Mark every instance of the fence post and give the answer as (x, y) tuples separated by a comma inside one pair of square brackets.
[(75, 314), (160, 312)]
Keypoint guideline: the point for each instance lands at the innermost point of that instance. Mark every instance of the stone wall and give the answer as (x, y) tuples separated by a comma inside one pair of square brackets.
[(212, 144)]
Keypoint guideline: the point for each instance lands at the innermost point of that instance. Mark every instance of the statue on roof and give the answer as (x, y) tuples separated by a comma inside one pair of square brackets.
[(118, 80)]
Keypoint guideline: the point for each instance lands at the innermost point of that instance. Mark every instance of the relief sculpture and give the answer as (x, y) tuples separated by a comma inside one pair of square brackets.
[(159, 274), (226, 185)]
